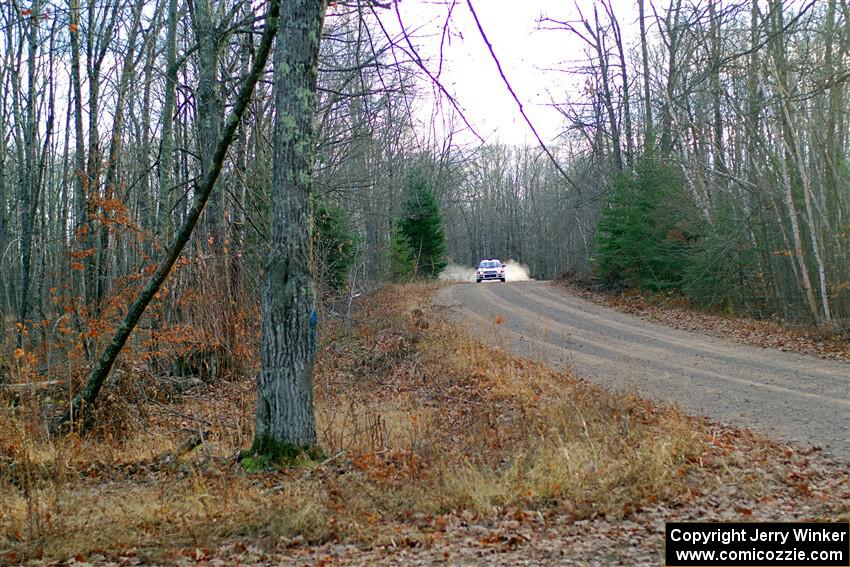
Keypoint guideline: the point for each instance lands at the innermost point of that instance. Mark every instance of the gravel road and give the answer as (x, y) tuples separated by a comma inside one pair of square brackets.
[(790, 397)]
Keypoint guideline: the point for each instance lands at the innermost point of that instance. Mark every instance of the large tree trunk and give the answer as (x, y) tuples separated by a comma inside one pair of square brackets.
[(285, 383)]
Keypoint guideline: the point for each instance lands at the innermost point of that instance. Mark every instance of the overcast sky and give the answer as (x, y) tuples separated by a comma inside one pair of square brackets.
[(534, 60)]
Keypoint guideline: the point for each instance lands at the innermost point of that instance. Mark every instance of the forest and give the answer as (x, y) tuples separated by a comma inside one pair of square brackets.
[(725, 127), (199, 194)]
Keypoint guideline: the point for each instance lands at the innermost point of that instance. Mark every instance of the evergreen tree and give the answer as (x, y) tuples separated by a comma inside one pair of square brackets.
[(334, 243), (724, 271), (422, 226), (643, 240), (401, 267)]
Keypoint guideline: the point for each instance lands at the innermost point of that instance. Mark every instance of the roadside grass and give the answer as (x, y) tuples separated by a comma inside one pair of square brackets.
[(417, 420)]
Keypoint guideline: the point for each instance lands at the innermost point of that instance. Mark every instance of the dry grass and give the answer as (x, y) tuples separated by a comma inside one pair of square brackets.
[(417, 418)]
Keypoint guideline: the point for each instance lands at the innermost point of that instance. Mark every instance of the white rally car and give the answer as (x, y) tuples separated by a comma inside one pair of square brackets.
[(490, 269)]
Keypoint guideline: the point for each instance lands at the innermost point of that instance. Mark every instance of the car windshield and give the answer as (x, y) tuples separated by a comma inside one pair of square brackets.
[(490, 264)]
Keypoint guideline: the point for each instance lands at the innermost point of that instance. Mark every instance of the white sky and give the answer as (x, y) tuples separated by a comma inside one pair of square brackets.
[(529, 57)]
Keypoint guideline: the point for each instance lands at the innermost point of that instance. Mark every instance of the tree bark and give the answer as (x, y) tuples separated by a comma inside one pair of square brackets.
[(99, 37), (285, 383), (166, 152), (210, 107), (671, 24), (648, 133), (788, 151), (716, 89), (602, 55), (2, 196), (29, 187), (81, 223), (626, 104)]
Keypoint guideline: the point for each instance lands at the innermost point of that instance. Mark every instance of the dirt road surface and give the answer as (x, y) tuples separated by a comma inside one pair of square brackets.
[(790, 397)]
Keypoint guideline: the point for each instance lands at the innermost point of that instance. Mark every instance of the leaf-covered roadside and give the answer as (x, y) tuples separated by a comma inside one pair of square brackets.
[(439, 449), (676, 312), (747, 479)]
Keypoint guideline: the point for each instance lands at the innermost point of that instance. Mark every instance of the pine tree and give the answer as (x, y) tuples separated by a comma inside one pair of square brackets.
[(401, 267), (334, 243), (422, 226), (643, 238)]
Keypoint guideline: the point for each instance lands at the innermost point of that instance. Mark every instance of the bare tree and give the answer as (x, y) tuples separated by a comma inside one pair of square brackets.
[(202, 193)]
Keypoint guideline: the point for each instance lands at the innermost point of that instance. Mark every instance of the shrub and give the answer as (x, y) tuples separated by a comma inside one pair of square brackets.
[(725, 271)]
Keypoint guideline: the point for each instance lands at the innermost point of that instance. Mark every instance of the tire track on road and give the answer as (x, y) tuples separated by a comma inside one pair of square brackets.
[(785, 395)]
